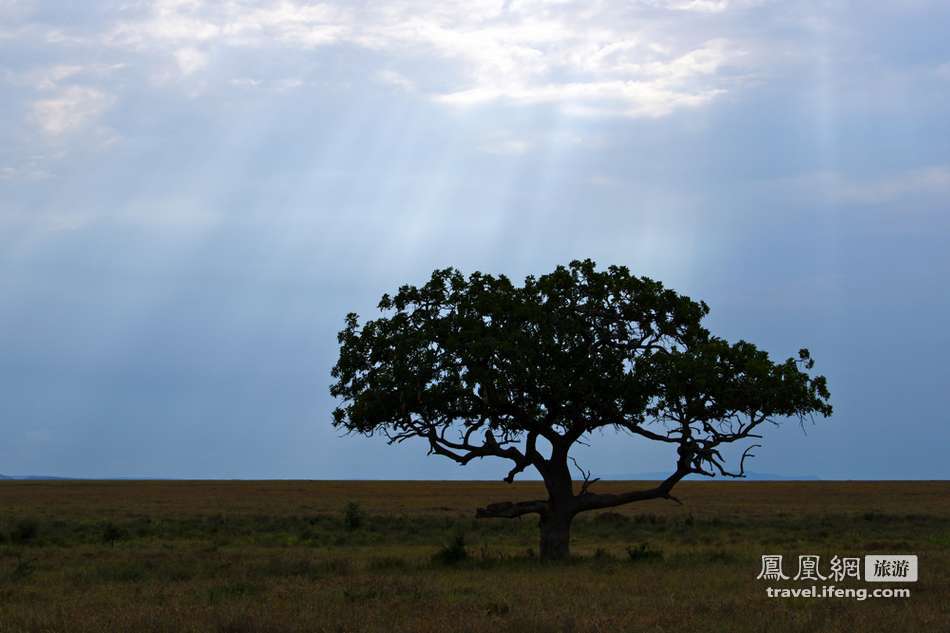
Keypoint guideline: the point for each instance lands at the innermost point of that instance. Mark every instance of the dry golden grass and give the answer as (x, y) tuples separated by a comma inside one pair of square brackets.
[(278, 556)]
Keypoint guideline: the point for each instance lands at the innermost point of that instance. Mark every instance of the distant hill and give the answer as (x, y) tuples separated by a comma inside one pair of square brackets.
[(660, 475), (32, 477)]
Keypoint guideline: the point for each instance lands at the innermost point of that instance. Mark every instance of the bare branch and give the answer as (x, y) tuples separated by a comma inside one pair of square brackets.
[(741, 474), (588, 482)]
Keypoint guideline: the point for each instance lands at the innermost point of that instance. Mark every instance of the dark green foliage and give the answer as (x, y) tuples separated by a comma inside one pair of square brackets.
[(25, 531), (476, 365), (453, 552), (468, 349), (112, 533), (353, 516)]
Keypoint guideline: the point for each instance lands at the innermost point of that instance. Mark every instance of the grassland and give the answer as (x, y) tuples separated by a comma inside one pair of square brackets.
[(384, 556)]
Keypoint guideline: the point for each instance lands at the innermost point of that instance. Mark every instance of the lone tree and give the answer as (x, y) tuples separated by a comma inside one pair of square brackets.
[(479, 367)]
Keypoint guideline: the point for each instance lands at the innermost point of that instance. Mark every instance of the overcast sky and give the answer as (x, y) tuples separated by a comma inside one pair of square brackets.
[(194, 193)]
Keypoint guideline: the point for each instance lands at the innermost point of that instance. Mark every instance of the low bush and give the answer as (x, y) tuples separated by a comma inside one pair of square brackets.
[(453, 552), (353, 516), (25, 531)]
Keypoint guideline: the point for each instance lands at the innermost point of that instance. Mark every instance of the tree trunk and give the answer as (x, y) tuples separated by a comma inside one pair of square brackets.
[(555, 535), (555, 522)]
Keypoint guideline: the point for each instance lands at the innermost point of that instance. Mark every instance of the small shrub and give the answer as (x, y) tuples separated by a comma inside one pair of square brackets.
[(498, 608), (25, 531), (642, 552), (453, 552), (353, 517), (307, 535), (112, 533)]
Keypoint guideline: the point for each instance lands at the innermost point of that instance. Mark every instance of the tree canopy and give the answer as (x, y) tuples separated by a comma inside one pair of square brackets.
[(479, 367)]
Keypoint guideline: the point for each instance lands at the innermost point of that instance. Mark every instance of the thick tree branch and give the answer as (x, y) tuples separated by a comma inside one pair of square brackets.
[(511, 510), (590, 501), (530, 457)]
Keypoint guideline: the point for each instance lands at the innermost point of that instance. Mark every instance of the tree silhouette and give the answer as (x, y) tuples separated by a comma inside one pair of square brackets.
[(479, 367)]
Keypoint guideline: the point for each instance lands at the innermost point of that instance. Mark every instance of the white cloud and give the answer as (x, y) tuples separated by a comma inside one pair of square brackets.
[(280, 85), (50, 77), (504, 144), (592, 59), (190, 60), (244, 82), (616, 98), (706, 6), (288, 83), (302, 24), (70, 110), (184, 21), (589, 72), (170, 20), (397, 80)]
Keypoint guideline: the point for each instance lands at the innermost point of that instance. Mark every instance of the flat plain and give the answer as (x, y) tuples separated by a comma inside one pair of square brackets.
[(271, 556)]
